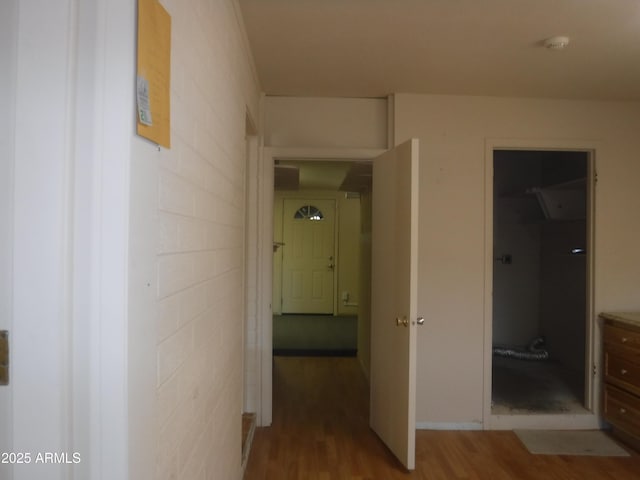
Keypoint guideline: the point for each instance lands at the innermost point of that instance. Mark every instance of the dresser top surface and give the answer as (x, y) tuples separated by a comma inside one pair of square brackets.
[(631, 318)]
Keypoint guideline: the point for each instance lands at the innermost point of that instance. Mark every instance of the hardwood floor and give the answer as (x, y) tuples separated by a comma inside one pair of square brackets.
[(320, 432)]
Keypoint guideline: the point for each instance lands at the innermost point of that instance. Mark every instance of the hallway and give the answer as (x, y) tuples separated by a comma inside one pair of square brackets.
[(320, 432), (320, 425)]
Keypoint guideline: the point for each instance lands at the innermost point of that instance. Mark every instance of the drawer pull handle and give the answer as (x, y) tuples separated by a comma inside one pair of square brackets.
[(624, 339), (623, 371), (623, 411)]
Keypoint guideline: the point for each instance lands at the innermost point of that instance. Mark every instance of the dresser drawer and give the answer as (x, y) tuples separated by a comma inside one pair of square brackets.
[(620, 337), (622, 410), (622, 371)]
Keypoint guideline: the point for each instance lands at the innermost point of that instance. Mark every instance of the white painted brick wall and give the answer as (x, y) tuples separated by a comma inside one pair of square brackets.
[(199, 244)]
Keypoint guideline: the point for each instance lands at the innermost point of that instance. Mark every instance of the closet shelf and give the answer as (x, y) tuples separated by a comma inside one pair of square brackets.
[(560, 201)]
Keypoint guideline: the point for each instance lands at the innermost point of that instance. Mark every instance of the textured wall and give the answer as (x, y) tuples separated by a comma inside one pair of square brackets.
[(187, 238)]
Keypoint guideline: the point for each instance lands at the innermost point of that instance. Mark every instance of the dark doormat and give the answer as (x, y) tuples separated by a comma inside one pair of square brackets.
[(310, 352), (315, 335)]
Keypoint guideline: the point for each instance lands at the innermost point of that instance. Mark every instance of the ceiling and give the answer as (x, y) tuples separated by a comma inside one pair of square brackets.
[(372, 48)]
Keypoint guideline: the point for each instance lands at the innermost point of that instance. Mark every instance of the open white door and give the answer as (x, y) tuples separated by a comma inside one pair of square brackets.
[(394, 299)]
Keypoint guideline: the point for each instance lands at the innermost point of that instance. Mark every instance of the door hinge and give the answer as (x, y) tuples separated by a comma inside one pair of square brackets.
[(595, 370), (4, 357)]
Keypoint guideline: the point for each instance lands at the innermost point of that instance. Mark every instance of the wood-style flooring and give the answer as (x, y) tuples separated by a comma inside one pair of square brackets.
[(320, 432)]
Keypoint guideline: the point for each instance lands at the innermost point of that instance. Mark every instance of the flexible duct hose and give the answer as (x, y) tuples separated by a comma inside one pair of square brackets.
[(534, 351)]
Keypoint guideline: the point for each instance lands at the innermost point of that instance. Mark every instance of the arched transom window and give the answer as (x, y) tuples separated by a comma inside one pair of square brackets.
[(308, 212)]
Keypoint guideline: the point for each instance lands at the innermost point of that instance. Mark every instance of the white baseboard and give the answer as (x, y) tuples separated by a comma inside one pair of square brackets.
[(448, 426)]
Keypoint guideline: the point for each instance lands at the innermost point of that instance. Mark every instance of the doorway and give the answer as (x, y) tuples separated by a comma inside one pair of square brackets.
[(266, 291), (318, 257), (541, 321)]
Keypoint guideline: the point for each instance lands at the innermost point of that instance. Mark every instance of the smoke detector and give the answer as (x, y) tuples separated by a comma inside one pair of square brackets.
[(556, 43)]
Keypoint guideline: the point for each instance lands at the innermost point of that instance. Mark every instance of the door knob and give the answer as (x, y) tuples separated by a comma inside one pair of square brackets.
[(404, 321)]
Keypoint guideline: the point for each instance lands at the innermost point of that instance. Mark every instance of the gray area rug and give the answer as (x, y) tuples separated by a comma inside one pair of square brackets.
[(315, 335), (570, 442)]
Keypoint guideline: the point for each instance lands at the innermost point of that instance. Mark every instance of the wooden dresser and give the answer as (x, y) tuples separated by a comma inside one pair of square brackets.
[(621, 399)]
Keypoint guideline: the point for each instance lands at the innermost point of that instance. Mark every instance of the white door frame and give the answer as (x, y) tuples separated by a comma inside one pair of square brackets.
[(264, 269), (8, 40), (588, 420), (251, 280), (73, 320)]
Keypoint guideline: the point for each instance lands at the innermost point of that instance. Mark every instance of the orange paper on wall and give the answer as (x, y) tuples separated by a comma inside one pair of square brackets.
[(154, 73)]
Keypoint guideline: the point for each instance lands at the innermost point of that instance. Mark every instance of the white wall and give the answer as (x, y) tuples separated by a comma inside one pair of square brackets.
[(186, 269), (348, 254), (325, 122), (453, 131)]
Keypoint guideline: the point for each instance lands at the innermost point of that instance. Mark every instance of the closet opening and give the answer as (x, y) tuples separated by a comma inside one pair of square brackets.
[(541, 295)]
